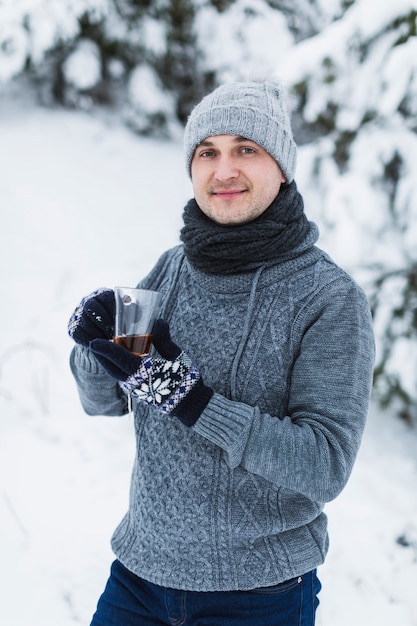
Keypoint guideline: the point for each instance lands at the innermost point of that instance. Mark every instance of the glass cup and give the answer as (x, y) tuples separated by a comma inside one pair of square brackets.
[(136, 312)]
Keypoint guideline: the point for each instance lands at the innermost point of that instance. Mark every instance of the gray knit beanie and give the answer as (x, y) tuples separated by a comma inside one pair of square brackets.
[(256, 111)]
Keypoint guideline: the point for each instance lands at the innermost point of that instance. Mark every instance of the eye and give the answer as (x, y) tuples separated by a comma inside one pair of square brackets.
[(206, 154), (248, 150)]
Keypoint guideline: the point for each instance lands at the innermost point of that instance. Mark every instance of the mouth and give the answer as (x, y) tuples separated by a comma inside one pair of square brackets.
[(228, 193)]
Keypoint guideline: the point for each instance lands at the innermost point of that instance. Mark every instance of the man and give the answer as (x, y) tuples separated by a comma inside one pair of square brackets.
[(250, 411)]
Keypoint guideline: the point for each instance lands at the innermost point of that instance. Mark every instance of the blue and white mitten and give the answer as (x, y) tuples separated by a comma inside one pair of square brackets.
[(170, 382), (94, 317)]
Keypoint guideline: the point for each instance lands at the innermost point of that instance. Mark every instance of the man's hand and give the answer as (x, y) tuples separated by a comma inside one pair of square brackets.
[(169, 382), (93, 318)]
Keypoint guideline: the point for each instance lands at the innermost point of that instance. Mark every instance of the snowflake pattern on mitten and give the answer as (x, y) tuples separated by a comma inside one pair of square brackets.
[(162, 383)]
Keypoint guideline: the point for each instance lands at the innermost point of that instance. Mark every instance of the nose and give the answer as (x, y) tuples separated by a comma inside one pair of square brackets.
[(225, 168)]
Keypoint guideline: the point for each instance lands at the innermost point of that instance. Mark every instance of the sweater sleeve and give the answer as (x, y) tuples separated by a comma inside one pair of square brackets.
[(99, 394), (312, 449)]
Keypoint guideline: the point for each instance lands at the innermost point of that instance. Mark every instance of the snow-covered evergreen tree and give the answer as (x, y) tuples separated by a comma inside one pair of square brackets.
[(140, 56), (356, 86)]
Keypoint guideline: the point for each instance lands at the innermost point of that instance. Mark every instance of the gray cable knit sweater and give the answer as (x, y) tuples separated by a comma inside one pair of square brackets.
[(236, 501)]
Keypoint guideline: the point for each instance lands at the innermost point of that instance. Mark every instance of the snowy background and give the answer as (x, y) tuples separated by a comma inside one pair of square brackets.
[(87, 203)]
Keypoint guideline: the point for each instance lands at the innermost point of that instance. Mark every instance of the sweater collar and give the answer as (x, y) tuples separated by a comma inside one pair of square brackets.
[(284, 266)]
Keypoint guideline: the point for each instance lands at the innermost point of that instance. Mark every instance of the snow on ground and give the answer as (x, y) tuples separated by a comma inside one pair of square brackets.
[(85, 203)]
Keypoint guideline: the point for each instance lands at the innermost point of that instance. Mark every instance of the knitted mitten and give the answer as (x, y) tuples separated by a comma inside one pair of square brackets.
[(169, 382), (93, 318)]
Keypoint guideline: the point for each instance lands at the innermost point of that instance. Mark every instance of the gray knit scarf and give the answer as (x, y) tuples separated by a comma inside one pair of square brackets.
[(218, 249)]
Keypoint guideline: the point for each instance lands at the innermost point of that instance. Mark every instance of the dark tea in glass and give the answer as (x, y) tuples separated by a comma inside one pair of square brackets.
[(139, 345)]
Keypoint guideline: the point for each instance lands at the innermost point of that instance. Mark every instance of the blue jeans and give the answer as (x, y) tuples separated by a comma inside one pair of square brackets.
[(131, 601)]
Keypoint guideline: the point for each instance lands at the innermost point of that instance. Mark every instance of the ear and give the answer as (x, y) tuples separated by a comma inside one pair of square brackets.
[(282, 178)]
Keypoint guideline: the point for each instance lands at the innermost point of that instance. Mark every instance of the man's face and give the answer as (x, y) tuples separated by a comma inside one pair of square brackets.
[(234, 179)]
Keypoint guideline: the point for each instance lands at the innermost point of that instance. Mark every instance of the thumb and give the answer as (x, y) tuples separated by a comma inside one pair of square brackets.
[(117, 361), (163, 342)]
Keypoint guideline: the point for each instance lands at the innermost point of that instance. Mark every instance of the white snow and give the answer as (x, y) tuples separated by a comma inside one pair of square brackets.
[(31, 27), (146, 97), (244, 42), (85, 204), (82, 68)]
